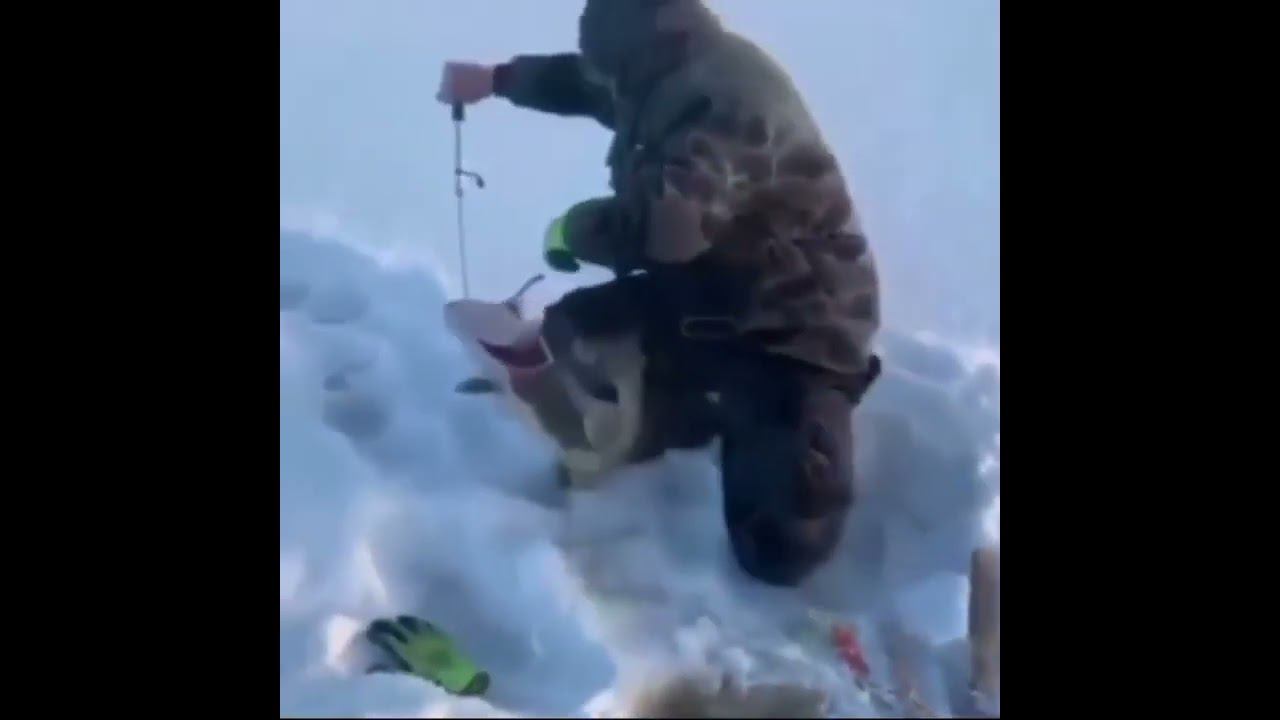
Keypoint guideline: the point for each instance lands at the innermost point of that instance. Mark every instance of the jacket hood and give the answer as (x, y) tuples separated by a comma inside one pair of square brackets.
[(626, 40)]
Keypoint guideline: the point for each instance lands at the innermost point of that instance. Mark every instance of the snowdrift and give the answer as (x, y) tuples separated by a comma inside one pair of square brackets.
[(400, 496)]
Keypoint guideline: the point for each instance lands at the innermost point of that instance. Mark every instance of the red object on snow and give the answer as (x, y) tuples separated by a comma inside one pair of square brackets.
[(850, 650)]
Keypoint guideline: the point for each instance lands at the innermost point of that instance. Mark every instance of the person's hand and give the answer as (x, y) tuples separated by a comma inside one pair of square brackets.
[(465, 83)]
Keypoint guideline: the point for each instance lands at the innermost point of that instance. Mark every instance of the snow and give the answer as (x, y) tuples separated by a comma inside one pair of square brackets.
[(399, 496)]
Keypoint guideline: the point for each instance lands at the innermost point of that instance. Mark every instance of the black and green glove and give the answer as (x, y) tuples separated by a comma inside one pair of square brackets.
[(592, 231), (417, 647), (555, 250)]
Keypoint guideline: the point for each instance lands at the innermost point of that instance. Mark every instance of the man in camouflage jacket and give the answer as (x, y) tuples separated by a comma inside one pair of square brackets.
[(743, 271)]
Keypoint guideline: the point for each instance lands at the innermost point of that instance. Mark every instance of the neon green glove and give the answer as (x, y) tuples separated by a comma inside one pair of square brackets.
[(555, 250), (418, 648)]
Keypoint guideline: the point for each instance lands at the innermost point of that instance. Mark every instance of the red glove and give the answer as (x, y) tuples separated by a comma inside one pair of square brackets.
[(465, 83)]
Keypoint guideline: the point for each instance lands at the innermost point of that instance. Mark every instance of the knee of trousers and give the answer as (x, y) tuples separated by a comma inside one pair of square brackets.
[(788, 490), (785, 550)]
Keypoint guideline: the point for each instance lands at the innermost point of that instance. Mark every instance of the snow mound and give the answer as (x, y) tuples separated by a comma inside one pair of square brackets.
[(399, 496)]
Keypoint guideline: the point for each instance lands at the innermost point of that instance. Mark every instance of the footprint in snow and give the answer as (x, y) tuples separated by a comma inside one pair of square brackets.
[(337, 305), (352, 410), (292, 294)]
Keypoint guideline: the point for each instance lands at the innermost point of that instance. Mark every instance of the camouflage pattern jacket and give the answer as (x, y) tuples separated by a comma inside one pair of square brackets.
[(721, 177)]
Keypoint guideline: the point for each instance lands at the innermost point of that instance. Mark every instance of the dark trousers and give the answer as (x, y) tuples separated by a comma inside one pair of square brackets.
[(785, 428)]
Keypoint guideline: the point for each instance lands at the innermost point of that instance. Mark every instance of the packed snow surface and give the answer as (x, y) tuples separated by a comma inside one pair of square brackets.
[(399, 496)]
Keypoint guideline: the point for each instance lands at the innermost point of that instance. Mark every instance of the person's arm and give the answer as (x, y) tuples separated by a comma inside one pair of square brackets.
[(553, 84)]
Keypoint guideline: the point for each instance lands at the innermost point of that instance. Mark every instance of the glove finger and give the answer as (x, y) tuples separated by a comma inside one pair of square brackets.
[(416, 625), (385, 631)]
